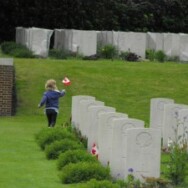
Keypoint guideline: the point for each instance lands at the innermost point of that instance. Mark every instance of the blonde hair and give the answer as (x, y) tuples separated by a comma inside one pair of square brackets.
[(50, 85)]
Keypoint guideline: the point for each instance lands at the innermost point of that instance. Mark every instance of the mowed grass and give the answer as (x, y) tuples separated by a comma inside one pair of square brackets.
[(128, 87)]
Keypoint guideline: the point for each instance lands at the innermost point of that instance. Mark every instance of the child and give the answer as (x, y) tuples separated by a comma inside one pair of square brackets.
[(51, 100)]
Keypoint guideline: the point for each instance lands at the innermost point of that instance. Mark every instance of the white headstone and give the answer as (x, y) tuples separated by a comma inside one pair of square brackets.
[(143, 152), (118, 155), (105, 135), (171, 113), (155, 41), (183, 47), (75, 108), (182, 126), (84, 115), (157, 112), (171, 44), (58, 39), (132, 41), (94, 113)]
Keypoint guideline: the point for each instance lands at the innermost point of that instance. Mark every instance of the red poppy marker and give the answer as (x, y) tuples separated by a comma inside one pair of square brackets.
[(66, 81), (94, 150)]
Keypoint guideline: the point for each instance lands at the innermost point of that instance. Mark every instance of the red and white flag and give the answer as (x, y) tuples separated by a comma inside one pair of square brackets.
[(94, 150), (66, 81)]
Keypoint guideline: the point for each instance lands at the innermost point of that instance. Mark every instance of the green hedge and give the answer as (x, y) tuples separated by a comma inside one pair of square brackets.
[(84, 171), (57, 147), (75, 156)]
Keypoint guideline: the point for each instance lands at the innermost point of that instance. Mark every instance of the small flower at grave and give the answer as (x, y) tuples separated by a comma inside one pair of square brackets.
[(170, 142), (130, 170)]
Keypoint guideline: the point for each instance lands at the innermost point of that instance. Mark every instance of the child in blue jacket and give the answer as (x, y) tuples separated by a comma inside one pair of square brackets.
[(51, 101)]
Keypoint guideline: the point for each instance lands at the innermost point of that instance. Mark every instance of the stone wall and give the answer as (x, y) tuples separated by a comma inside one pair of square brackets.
[(7, 88)]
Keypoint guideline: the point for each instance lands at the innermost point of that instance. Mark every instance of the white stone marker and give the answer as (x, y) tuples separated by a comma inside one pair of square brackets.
[(75, 108), (182, 126), (118, 152), (171, 44), (171, 112), (105, 135), (132, 41), (183, 47), (84, 115), (40, 41), (143, 152), (157, 112), (94, 112), (154, 41)]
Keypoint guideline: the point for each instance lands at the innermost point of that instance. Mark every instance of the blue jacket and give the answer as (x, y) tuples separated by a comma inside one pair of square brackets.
[(51, 99)]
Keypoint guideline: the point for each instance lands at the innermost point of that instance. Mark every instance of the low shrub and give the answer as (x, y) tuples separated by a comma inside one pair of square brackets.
[(47, 136), (153, 55), (57, 147), (160, 56), (129, 56), (93, 183), (84, 171), (16, 50), (150, 54), (7, 47), (108, 52), (58, 54), (91, 57), (74, 156), (22, 53)]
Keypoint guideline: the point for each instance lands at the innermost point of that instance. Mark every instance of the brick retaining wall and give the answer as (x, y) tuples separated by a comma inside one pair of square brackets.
[(6, 87)]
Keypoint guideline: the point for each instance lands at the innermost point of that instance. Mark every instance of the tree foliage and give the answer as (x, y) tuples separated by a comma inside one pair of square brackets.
[(124, 15)]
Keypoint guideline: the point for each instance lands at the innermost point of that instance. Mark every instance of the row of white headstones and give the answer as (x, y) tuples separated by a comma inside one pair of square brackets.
[(124, 144)]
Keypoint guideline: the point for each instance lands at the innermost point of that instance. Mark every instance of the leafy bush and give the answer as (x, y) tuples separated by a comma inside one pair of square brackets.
[(150, 54), (108, 52), (160, 56), (155, 55), (84, 171), (58, 54), (93, 183), (129, 56), (74, 156), (47, 136), (177, 169), (57, 147), (16, 50)]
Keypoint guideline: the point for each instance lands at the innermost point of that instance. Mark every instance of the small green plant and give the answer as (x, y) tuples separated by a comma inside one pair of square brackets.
[(153, 55), (93, 183), (84, 171), (131, 181), (57, 147), (74, 156), (150, 54), (160, 56), (16, 50), (58, 54), (108, 52), (177, 165), (47, 136)]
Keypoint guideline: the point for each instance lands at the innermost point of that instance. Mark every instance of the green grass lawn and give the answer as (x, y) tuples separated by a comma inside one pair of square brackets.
[(128, 87)]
